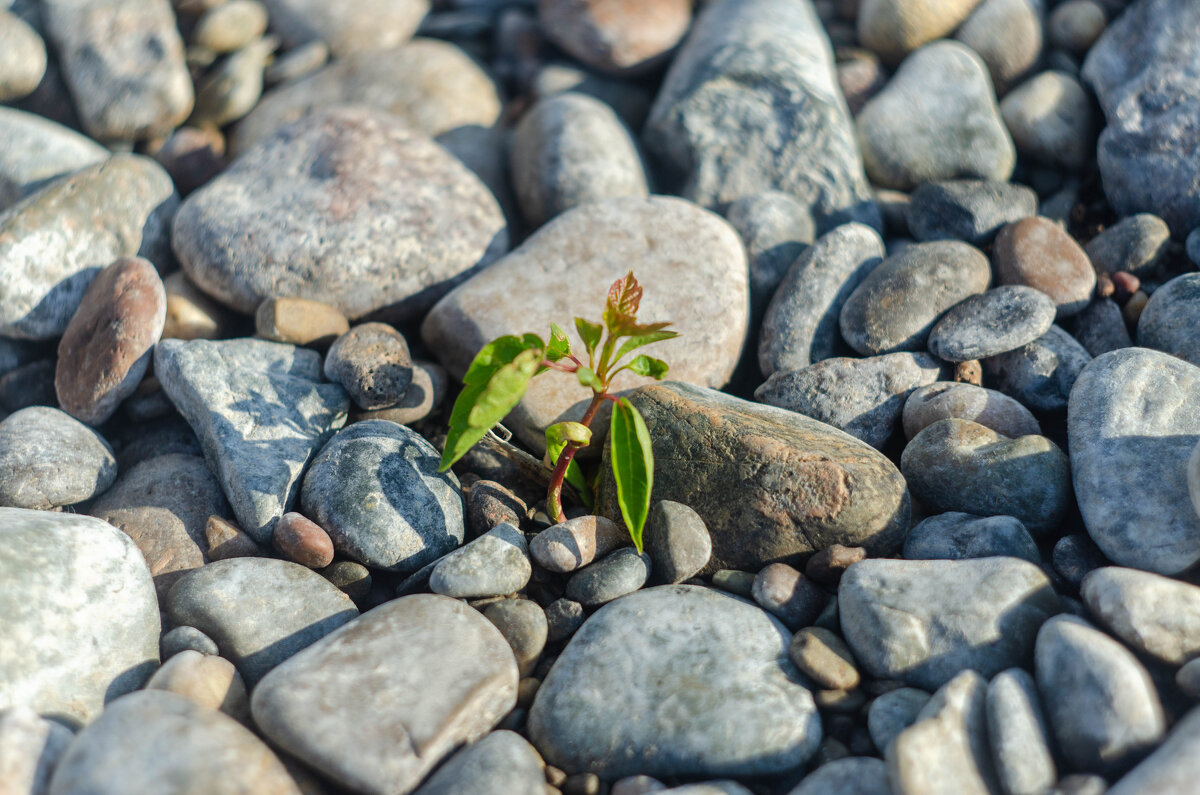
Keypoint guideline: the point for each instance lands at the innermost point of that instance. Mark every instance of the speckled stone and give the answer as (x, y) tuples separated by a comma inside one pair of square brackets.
[(1018, 734), (1136, 244), (424, 394), (609, 578), (956, 536), (1041, 374), (677, 541), (1171, 317), (376, 705), (570, 545), (30, 747), (1051, 120), (863, 397), (971, 210), (503, 761), (1037, 253), (946, 400), (998, 321), (49, 459), (1152, 614), (37, 151), (54, 242), (563, 618), (495, 564), (367, 26), (897, 305), (376, 490), (372, 363)]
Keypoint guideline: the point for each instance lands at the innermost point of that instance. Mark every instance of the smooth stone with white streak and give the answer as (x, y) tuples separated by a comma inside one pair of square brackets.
[(378, 703), (1018, 734), (77, 612), (705, 689), (1040, 374), (502, 762), (364, 26), (1172, 769), (36, 151), (951, 399), (957, 536), (30, 747), (1133, 421), (1171, 317), (49, 459), (495, 564), (1154, 615)]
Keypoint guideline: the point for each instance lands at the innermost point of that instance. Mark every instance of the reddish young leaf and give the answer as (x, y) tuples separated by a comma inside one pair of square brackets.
[(623, 299)]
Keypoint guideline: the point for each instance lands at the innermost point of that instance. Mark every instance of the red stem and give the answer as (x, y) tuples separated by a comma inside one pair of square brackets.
[(554, 492)]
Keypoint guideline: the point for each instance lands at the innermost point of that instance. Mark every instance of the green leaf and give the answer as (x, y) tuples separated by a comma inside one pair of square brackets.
[(640, 339), (504, 390), (588, 378), (633, 467), (558, 436), (589, 332), (559, 345), (648, 365), (500, 352)]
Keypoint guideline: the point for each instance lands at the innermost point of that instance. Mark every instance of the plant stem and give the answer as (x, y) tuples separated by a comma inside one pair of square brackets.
[(554, 492)]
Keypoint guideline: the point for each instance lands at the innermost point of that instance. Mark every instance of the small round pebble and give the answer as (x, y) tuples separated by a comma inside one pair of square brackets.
[(791, 596), (495, 564), (50, 459), (825, 657), (827, 566), (299, 321), (351, 578), (1037, 253), (192, 156), (621, 573), (1051, 120), (422, 397), (231, 25), (563, 617), (852, 775), (575, 543), (490, 503), (1000, 320), (185, 638), (227, 540), (524, 625), (22, 57), (945, 400), (1075, 555), (303, 541), (677, 541), (371, 361)]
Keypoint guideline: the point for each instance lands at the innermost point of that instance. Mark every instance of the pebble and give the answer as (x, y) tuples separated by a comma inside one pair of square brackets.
[(106, 347), (1100, 328), (260, 413), (1018, 734), (181, 639), (1141, 72), (949, 400), (345, 257), (54, 242), (77, 612), (367, 26), (573, 544), (259, 611), (563, 618), (1132, 424), (893, 712), (925, 621), (495, 564), (206, 680), (863, 397), (894, 28), (677, 542), (631, 40), (501, 762), (860, 76), (22, 57), (376, 490), (1100, 701), (690, 261), (1152, 614), (776, 230), (800, 480), (298, 62), (192, 156), (1172, 767), (705, 688), (424, 395), (1170, 317), (958, 536), (191, 314), (945, 750), (570, 149), (800, 326), (49, 459), (233, 87), (825, 657), (850, 776), (123, 61), (372, 363), (1050, 119), (300, 321), (1041, 374), (971, 210), (302, 541), (227, 540), (1037, 253), (379, 703), (997, 321), (30, 747), (1075, 555), (352, 579), (1137, 244), (936, 119), (490, 503), (1007, 35), (523, 624), (799, 140), (898, 303), (826, 566), (230, 26), (788, 594), (1075, 25), (611, 577)]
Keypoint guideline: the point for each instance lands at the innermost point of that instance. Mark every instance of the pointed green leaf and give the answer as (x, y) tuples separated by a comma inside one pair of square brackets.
[(559, 345), (633, 467), (504, 390), (640, 339), (589, 332), (648, 365), (588, 378)]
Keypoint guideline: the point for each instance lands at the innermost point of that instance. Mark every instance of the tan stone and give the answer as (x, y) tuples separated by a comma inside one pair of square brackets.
[(207, 680), (300, 321), (192, 315)]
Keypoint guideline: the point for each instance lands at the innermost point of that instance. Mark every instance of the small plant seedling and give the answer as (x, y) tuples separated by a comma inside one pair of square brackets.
[(501, 373)]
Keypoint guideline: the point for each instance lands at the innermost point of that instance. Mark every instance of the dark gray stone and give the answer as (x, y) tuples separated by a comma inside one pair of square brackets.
[(609, 578), (792, 597), (1074, 556), (1171, 317), (677, 542), (957, 536), (260, 413), (1133, 421), (1154, 615), (1193, 246), (776, 230), (1136, 244), (49, 459), (501, 762), (376, 490), (1040, 374), (372, 363), (751, 103), (15, 353), (1101, 328), (998, 321), (495, 564), (1018, 734), (972, 210), (563, 618), (29, 385), (37, 151)]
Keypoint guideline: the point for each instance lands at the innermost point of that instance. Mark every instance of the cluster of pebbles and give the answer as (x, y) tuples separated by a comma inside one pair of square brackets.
[(926, 512)]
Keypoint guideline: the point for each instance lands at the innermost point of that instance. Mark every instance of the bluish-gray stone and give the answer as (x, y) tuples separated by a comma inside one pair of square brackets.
[(495, 564), (1000, 320), (1173, 768), (956, 536), (1100, 327), (776, 230), (893, 712), (609, 578), (1171, 317), (502, 762), (1018, 734), (1041, 373), (971, 210), (37, 151)]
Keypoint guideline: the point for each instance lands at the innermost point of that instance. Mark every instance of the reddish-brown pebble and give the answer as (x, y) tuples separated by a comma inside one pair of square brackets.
[(827, 566), (623, 36), (106, 348), (1038, 253), (1125, 285), (227, 540), (490, 504), (303, 541), (969, 372), (791, 596)]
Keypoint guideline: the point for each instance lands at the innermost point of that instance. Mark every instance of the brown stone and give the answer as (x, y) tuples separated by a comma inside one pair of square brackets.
[(372, 363), (192, 315), (227, 540), (620, 36), (107, 345), (827, 565), (299, 321), (576, 542), (303, 541), (969, 372), (489, 504), (825, 657), (1038, 253)]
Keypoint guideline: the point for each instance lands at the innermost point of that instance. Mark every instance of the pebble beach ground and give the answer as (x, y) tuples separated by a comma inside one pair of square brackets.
[(926, 508)]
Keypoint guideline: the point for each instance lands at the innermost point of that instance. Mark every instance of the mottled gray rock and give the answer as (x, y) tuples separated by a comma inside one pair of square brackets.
[(123, 61), (925, 621), (501, 762), (37, 151), (1007, 35), (750, 104), (1018, 734), (30, 747), (863, 397), (803, 486), (164, 740), (957, 536), (677, 542), (1143, 70), (1153, 614), (959, 465), (1171, 317), (1100, 328), (22, 57), (690, 262), (894, 28), (372, 363), (365, 26), (1040, 374), (893, 712), (935, 119), (301, 216), (259, 611), (77, 612), (377, 704), (494, 564), (570, 149), (1099, 699), (49, 459), (801, 322), (376, 490), (1133, 421), (899, 302), (260, 414), (998, 321), (1051, 120), (1136, 244), (862, 775), (1172, 769), (609, 578), (54, 242), (776, 229), (947, 399), (705, 689), (972, 210), (524, 625)]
